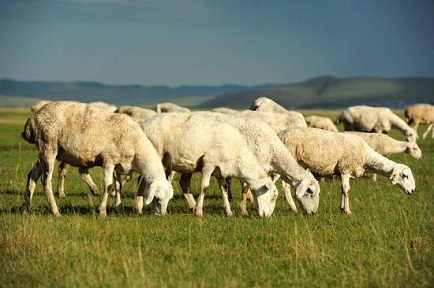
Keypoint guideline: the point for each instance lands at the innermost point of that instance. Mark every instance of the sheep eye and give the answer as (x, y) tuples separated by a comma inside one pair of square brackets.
[(404, 176)]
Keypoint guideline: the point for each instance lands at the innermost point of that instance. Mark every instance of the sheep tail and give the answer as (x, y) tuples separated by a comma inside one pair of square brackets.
[(29, 131)]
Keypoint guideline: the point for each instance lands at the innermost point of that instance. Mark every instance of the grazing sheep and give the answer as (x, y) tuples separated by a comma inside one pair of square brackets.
[(189, 143), (420, 113), (386, 145), (273, 156), (277, 121), (38, 105), (326, 153), (267, 105), (169, 107), (137, 113), (84, 136), (320, 122), (374, 119)]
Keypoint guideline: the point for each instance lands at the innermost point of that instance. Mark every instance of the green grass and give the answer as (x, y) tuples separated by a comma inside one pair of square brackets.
[(388, 241)]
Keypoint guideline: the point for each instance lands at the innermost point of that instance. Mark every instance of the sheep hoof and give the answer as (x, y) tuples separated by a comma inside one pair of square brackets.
[(102, 214), (62, 195), (199, 214), (244, 213), (57, 214)]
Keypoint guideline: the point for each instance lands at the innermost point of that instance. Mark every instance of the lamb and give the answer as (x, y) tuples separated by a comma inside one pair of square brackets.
[(137, 113), (84, 136), (374, 119), (386, 145), (169, 107), (274, 158), (420, 113), (326, 153), (321, 123), (222, 151)]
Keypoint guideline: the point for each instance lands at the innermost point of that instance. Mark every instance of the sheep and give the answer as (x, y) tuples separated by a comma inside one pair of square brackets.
[(275, 159), (169, 107), (374, 119), (189, 143), (386, 145), (326, 153), (38, 105), (225, 110), (104, 106), (267, 105), (277, 121), (420, 113), (84, 136), (137, 113), (321, 123)]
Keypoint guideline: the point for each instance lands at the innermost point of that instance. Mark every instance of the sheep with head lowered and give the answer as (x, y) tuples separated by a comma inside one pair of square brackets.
[(321, 122), (169, 107), (267, 105), (189, 143), (421, 114), (275, 159), (84, 136), (374, 119), (326, 153), (386, 145)]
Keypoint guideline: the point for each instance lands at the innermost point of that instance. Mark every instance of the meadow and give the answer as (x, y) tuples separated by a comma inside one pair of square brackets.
[(388, 241)]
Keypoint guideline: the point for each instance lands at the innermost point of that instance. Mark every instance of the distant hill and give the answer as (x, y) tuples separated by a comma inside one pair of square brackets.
[(325, 92), (329, 92)]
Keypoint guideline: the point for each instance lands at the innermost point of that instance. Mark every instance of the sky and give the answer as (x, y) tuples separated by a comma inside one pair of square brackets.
[(192, 42)]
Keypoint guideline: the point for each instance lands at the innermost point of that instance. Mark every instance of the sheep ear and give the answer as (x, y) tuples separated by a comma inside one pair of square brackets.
[(149, 194), (394, 178)]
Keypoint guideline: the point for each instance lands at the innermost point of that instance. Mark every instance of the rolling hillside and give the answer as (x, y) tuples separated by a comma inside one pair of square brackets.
[(324, 92)]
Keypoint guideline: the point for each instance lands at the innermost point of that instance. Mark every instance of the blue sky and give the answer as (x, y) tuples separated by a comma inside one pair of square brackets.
[(195, 42)]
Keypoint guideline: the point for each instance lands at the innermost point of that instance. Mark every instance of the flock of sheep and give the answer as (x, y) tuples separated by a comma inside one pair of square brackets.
[(256, 146)]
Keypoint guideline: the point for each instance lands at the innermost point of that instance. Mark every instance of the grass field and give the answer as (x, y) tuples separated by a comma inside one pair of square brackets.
[(388, 241)]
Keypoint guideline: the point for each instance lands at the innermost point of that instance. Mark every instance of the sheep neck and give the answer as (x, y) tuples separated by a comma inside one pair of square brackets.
[(377, 163)]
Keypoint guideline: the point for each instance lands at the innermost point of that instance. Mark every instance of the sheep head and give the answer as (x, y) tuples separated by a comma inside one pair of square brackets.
[(414, 150), (307, 193), (265, 198), (411, 135), (159, 192), (402, 176)]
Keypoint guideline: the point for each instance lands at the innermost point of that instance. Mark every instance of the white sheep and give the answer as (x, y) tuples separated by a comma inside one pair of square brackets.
[(104, 106), (320, 122), (84, 136), (169, 107), (137, 113), (267, 105), (38, 105), (225, 110), (326, 153), (277, 121), (374, 119), (274, 158), (419, 114), (386, 145), (189, 143)]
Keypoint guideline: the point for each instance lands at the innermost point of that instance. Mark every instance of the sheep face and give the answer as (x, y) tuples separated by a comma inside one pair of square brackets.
[(307, 193), (403, 177), (414, 150), (411, 135), (159, 193), (265, 198)]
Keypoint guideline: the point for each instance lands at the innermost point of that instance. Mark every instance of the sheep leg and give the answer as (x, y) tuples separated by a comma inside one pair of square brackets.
[(108, 184), (286, 189), (427, 130), (139, 195), (47, 160), (206, 177), (118, 189), (63, 167), (32, 179), (345, 203), (184, 182), (84, 172), (244, 195), (224, 189)]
